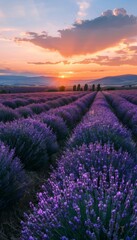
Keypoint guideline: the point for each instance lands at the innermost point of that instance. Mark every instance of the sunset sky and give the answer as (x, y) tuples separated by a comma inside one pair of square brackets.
[(69, 39)]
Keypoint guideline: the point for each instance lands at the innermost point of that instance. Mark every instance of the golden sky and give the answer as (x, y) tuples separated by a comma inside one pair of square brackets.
[(68, 41)]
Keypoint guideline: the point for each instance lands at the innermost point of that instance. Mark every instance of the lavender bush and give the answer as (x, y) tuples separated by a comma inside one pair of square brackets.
[(101, 125), (37, 108), (87, 134), (131, 97), (125, 110), (9, 103), (7, 114), (24, 112), (20, 102), (66, 114), (95, 206), (57, 124), (32, 140), (73, 112), (97, 156), (13, 180)]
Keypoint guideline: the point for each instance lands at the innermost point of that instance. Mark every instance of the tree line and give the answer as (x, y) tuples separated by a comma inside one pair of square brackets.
[(86, 87)]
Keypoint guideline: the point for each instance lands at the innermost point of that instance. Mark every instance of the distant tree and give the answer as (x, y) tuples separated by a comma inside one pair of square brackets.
[(81, 89), (98, 87), (93, 87), (74, 88), (62, 88), (110, 88), (3, 91), (52, 90), (86, 87), (78, 87)]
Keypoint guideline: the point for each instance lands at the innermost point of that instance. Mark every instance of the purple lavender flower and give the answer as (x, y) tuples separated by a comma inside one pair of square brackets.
[(56, 123), (7, 114), (33, 141), (101, 125), (125, 110), (96, 156), (90, 206), (13, 180)]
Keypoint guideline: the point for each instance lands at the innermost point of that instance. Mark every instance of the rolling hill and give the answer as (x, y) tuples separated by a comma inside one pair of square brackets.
[(40, 81), (122, 80)]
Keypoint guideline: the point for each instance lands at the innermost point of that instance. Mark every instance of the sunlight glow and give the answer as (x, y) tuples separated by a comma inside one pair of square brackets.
[(62, 76)]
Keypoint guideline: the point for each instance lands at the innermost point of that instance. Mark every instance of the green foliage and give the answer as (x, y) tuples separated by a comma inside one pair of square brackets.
[(86, 87), (62, 88), (78, 87), (98, 87), (93, 87), (74, 88)]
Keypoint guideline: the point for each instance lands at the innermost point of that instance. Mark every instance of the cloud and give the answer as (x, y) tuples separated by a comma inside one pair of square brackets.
[(9, 71), (89, 36), (121, 51), (119, 61), (6, 71), (49, 63), (115, 12), (98, 59), (133, 48), (111, 61), (82, 12), (119, 11), (107, 13)]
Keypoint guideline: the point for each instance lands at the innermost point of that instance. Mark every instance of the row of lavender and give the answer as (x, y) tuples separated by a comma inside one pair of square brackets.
[(131, 96), (92, 194), (18, 100), (7, 114), (125, 110), (15, 101), (34, 140)]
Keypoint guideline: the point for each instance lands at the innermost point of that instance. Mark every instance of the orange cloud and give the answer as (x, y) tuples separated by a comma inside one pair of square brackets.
[(111, 61), (89, 36), (49, 63)]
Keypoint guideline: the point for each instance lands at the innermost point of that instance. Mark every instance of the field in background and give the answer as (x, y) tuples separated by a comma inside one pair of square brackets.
[(73, 156)]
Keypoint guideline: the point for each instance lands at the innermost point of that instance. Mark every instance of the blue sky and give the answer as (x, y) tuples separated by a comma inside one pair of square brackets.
[(36, 14)]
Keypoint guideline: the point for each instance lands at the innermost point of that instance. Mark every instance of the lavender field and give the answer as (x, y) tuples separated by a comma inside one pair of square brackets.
[(68, 166)]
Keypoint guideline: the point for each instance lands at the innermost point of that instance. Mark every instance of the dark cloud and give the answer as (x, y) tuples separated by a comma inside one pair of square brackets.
[(89, 36)]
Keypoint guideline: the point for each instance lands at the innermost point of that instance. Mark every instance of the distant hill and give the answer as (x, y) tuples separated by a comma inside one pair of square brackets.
[(10, 80), (42, 81), (122, 80)]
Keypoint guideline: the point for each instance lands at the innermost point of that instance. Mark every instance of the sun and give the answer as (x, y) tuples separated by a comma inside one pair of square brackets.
[(62, 76)]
